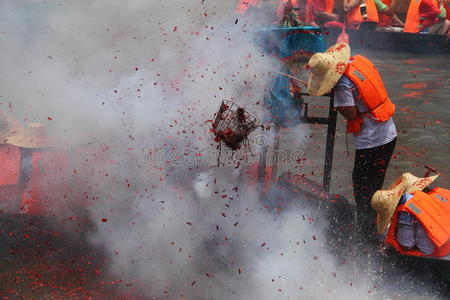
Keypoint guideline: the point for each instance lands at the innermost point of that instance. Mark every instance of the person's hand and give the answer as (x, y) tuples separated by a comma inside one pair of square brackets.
[(349, 4), (333, 17)]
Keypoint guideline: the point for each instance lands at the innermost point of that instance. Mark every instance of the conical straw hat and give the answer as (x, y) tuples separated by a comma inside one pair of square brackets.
[(327, 68), (35, 136), (384, 202)]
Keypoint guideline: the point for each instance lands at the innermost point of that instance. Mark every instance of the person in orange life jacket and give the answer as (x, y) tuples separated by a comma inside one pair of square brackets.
[(361, 14), (433, 16), (388, 18), (9, 166), (323, 12), (441, 24), (42, 169), (360, 96), (427, 15), (418, 222)]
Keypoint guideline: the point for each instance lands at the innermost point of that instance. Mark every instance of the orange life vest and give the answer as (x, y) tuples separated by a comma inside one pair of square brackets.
[(385, 20), (354, 16), (9, 165), (371, 90), (432, 210), (412, 22), (48, 183), (324, 5)]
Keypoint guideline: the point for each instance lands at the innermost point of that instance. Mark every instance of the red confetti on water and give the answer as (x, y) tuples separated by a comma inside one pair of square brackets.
[(104, 220), (413, 94), (415, 85), (412, 61), (50, 118)]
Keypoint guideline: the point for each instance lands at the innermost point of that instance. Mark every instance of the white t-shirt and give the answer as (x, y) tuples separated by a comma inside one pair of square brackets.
[(373, 133)]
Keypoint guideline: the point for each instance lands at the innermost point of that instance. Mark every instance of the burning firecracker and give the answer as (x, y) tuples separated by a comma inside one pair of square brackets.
[(232, 125)]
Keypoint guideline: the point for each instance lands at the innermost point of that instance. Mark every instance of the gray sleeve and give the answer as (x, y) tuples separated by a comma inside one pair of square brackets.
[(343, 93), (343, 97), (405, 235), (423, 242)]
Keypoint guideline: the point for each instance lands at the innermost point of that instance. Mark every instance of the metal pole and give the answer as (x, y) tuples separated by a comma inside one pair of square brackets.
[(276, 147), (262, 167), (331, 134)]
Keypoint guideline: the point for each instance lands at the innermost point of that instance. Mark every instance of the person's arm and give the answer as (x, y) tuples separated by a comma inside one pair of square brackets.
[(406, 226), (397, 21), (349, 112), (323, 17), (389, 10), (349, 4), (441, 7), (344, 100), (383, 8), (423, 241), (313, 24)]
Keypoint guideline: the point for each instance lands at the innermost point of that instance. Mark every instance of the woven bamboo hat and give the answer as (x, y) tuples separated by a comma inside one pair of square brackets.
[(384, 202), (34, 136), (327, 68)]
